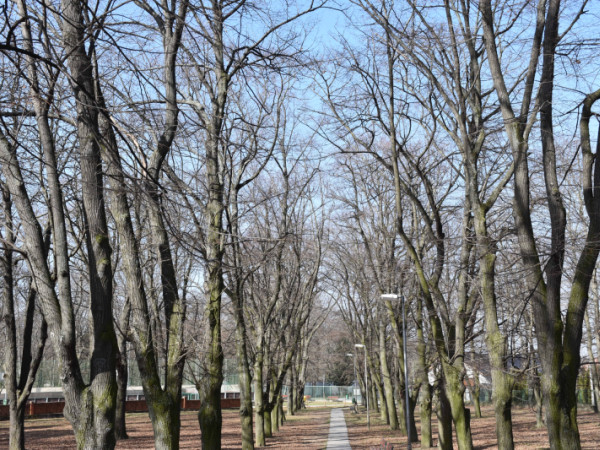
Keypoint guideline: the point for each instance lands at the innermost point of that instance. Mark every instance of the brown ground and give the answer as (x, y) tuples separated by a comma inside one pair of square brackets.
[(307, 430), (525, 435)]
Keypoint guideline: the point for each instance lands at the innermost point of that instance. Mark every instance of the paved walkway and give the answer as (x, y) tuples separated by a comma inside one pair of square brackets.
[(338, 433)]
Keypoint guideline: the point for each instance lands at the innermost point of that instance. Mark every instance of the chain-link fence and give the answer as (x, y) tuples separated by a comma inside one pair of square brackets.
[(524, 397)]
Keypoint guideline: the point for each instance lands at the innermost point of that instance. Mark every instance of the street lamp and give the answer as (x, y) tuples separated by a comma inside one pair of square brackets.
[(391, 297), (366, 384)]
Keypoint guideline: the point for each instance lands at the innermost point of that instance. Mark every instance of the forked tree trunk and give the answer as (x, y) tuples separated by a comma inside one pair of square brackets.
[(455, 394), (558, 341), (91, 409)]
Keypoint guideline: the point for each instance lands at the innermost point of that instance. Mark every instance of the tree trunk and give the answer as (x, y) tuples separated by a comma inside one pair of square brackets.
[(245, 383), (267, 421), (425, 407), (594, 368), (275, 418), (455, 394), (120, 425), (16, 436), (165, 417), (281, 414), (444, 415), (475, 392), (209, 416), (539, 408), (378, 392), (300, 398), (388, 390), (495, 341), (414, 435), (291, 403), (91, 409), (373, 400), (259, 407), (122, 373)]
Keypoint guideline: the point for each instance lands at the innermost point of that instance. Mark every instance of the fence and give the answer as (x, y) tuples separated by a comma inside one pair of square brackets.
[(523, 397), (56, 408), (327, 391)]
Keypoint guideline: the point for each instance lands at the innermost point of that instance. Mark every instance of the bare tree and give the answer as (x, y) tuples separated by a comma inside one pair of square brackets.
[(558, 340)]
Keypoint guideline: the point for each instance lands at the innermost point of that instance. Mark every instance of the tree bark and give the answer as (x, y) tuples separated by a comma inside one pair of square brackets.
[(259, 407), (425, 407), (444, 416), (122, 373), (388, 390)]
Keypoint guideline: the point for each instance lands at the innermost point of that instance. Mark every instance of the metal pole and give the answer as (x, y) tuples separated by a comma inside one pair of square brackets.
[(367, 390), (409, 447)]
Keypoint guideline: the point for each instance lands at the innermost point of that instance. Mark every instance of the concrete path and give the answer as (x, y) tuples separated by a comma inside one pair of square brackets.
[(338, 433)]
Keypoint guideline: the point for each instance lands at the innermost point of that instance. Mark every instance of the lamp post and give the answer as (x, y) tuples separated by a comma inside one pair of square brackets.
[(391, 297), (366, 384)]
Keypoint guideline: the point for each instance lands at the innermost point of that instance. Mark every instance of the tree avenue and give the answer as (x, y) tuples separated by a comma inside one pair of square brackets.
[(198, 191)]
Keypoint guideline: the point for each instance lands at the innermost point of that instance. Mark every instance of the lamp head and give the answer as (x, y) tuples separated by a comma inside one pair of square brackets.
[(390, 297)]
